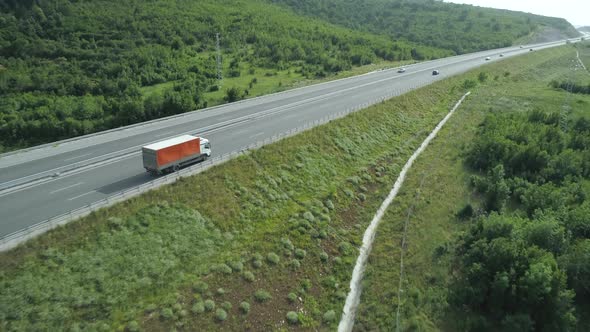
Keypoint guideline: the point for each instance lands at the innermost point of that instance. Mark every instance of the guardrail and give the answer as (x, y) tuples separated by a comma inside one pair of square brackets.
[(12, 240)]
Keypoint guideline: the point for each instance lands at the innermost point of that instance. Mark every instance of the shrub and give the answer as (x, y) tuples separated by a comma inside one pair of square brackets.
[(308, 216), (469, 84), (292, 297), (323, 234), (200, 287), (226, 305), (466, 212), (167, 313), (306, 284), (198, 308), (220, 314), (273, 258), (261, 295), (236, 266), (362, 197), (223, 268), (257, 264), (183, 313), (245, 307), (249, 276), (329, 204), (220, 291), (292, 317), (287, 244), (256, 257), (300, 253), (295, 264), (341, 295), (482, 77), (209, 305), (324, 256), (345, 248), (132, 326), (329, 316)]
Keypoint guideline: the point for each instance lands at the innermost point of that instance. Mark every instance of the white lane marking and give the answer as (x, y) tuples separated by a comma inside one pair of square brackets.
[(76, 157), (165, 134), (68, 187), (256, 135), (82, 195)]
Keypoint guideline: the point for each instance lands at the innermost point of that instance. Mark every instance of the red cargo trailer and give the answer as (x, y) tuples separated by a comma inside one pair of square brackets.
[(171, 154)]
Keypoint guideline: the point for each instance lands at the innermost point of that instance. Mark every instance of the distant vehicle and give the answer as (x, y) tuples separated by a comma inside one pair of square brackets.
[(172, 154), (501, 55), (435, 72), (488, 58), (530, 50), (521, 46), (401, 70)]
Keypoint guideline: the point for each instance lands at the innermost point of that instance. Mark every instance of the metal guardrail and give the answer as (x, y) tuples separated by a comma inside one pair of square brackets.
[(14, 239)]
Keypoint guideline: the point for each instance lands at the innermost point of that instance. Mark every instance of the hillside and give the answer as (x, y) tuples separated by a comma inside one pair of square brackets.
[(69, 68), (461, 28)]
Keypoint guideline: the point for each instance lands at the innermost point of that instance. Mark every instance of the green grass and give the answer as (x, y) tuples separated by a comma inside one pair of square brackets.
[(436, 189), (154, 258)]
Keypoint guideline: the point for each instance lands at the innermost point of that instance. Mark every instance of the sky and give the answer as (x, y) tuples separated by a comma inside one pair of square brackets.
[(577, 12)]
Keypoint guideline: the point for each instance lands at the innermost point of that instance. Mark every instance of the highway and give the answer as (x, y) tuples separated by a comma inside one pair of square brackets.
[(39, 183)]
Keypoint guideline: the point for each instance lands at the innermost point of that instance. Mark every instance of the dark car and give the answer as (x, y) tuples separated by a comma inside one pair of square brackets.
[(435, 72)]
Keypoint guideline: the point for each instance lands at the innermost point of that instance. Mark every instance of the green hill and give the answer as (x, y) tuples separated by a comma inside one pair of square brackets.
[(461, 28), (69, 68)]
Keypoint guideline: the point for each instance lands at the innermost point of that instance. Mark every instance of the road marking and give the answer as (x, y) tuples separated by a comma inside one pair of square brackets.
[(68, 187), (165, 134), (82, 195), (256, 135), (76, 157)]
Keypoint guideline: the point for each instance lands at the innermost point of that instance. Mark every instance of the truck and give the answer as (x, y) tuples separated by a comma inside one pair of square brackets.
[(172, 154)]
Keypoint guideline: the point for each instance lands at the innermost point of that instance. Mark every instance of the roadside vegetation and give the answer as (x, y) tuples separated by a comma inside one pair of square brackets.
[(69, 68), (497, 212), (265, 241)]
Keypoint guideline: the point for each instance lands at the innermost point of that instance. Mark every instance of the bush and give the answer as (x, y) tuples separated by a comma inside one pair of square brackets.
[(226, 305), (245, 307), (287, 244), (236, 266), (273, 258), (324, 256), (209, 305), (220, 315), (330, 316), (466, 212), (249, 276), (257, 264), (198, 308), (200, 287), (292, 297), (306, 284), (132, 326), (295, 264), (262, 296), (292, 317), (329, 204), (482, 77), (223, 268), (167, 313), (300, 253), (220, 291), (308, 216)]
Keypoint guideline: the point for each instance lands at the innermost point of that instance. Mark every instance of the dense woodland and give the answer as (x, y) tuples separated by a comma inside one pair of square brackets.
[(461, 28), (72, 67), (525, 259)]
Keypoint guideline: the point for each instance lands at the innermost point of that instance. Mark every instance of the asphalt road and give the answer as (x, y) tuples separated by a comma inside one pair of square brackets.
[(112, 160)]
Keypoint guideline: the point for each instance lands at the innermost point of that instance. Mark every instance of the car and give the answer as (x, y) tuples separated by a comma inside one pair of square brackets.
[(530, 50), (435, 72), (521, 46), (488, 58), (501, 55), (401, 70)]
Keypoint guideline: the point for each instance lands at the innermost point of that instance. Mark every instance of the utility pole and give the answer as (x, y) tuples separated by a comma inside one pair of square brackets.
[(219, 76)]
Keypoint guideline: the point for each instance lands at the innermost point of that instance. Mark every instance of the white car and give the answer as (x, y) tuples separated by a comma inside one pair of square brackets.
[(501, 55), (401, 70), (488, 58)]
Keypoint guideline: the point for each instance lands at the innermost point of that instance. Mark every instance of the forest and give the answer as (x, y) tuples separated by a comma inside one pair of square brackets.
[(461, 28), (69, 68), (524, 262)]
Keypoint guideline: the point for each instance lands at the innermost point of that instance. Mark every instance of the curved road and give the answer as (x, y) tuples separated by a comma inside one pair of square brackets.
[(96, 166)]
